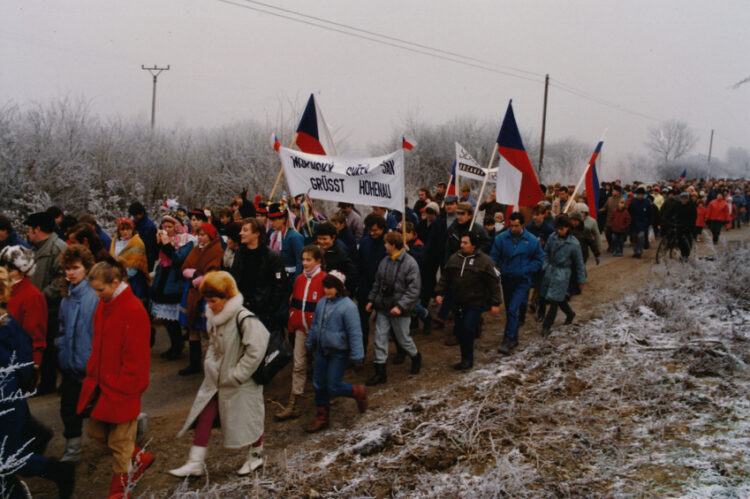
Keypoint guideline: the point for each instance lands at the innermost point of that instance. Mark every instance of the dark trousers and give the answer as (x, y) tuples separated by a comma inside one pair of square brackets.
[(48, 369), (515, 292), (465, 329), (70, 391), (364, 321), (327, 378), (549, 319), (715, 228)]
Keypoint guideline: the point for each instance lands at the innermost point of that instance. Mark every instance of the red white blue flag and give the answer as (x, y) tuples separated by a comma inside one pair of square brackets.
[(408, 143), (313, 136), (275, 142), (592, 182), (683, 175), (510, 147), (452, 182)]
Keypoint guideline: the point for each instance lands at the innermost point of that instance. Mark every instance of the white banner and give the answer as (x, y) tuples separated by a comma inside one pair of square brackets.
[(370, 181), (508, 183), (466, 166)]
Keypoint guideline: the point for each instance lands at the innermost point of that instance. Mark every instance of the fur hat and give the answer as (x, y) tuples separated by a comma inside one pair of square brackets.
[(218, 284), (433, 208), (43, 220), (18, 258)]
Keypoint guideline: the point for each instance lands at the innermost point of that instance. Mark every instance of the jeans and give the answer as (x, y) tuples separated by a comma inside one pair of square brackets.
[(447, 305), (515, 292), (465, 329), (384, 324), (328, 371), (420, 311), (364, 322)]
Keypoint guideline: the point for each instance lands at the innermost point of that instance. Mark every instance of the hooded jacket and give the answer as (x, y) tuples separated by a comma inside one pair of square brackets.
[(74, 340)]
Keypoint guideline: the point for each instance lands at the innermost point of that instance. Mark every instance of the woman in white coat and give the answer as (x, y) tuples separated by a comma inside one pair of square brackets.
[(238, 342)]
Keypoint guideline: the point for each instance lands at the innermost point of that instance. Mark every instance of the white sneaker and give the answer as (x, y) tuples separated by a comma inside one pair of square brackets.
[(195, 464), (254, 461), (73, 450)]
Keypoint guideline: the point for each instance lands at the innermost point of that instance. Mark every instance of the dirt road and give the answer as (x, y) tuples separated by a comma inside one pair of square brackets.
[(169, 396)]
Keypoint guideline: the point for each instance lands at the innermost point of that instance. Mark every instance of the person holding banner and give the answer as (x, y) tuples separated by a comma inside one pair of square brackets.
[(393, 296), (519, 256)]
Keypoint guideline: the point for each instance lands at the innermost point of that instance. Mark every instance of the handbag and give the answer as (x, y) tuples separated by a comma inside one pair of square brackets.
[(278, 354)]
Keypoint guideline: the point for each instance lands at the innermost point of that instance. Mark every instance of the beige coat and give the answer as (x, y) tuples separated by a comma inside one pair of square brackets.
[(228, 368)]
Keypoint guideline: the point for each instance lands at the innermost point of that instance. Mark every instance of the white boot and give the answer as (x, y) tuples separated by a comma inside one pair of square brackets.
[(253, 462), (72, 450), (194, 465)]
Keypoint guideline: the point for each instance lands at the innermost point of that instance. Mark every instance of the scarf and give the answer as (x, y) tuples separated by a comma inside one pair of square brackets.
[(311, 273)]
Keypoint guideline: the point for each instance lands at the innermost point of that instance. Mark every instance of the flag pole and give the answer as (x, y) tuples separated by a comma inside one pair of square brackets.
[(583, 178), (281, 170), (484, 184)]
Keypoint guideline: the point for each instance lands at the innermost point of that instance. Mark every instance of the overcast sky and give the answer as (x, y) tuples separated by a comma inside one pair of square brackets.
[(663, 59)]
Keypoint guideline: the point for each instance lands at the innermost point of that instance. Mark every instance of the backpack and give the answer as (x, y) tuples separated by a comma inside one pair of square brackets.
[(278, 353)]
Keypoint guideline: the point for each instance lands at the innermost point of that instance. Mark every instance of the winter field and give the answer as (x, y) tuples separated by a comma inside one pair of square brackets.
[(646, 395)]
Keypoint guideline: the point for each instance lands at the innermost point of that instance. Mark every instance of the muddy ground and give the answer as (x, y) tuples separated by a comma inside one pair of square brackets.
[(169, 397)]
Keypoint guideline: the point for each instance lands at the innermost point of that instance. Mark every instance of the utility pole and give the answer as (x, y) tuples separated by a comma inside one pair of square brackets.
[(710, 147), (544, 124), (155, 71)]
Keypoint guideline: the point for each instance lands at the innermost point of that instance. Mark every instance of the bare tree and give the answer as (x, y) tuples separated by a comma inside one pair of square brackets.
[(671, 140)]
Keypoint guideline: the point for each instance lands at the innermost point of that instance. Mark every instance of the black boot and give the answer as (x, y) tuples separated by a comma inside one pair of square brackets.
[(175, 340), (400, 357), (63, 474), (195, 360), (507, 345), (379, 376), (416, 363)]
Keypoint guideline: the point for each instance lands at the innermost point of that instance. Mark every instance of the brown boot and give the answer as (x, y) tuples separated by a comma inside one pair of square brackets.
[(291, 411), (321, 420), (360, 395)]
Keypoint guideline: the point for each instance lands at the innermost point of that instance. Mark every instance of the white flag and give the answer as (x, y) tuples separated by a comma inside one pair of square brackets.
[(467, 166)]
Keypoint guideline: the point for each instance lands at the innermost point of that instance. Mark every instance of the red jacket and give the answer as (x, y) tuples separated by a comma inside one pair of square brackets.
[(28, 307), (718, 209), (700, 220), (120, 358), (307, 292), (620, 220)]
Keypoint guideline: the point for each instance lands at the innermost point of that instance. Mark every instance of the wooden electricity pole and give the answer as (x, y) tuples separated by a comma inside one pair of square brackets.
[(155, 71), (544, 124)]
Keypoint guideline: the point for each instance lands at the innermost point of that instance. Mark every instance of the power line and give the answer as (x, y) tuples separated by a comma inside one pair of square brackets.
[(385, 42), (392, 38)]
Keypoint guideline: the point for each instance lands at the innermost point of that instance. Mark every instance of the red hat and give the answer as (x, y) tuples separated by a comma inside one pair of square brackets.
[(209, 229), (261, 208)]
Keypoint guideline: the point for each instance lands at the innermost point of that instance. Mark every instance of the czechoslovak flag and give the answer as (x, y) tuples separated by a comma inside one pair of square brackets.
[(313, 135), (452, 185), (510, 147), (275, 142), (408, 143), (592, 182)]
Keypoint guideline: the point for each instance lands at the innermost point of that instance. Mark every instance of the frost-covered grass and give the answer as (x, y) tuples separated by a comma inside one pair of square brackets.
[(650, 398)]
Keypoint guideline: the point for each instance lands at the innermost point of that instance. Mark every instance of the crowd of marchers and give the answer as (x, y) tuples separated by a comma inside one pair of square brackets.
[(79, 307)]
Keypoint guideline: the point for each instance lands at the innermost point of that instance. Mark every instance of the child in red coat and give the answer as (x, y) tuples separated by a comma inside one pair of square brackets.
[(117, 372), (308, 290)]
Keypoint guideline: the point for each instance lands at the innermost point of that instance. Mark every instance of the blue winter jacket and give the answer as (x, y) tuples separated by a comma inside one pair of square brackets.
[(371, 252), (563, 262), (640, 213), (291, 252), (76, 328), (336, 329), (519, 261), (13, 240), (147, 231), (168, 284)]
